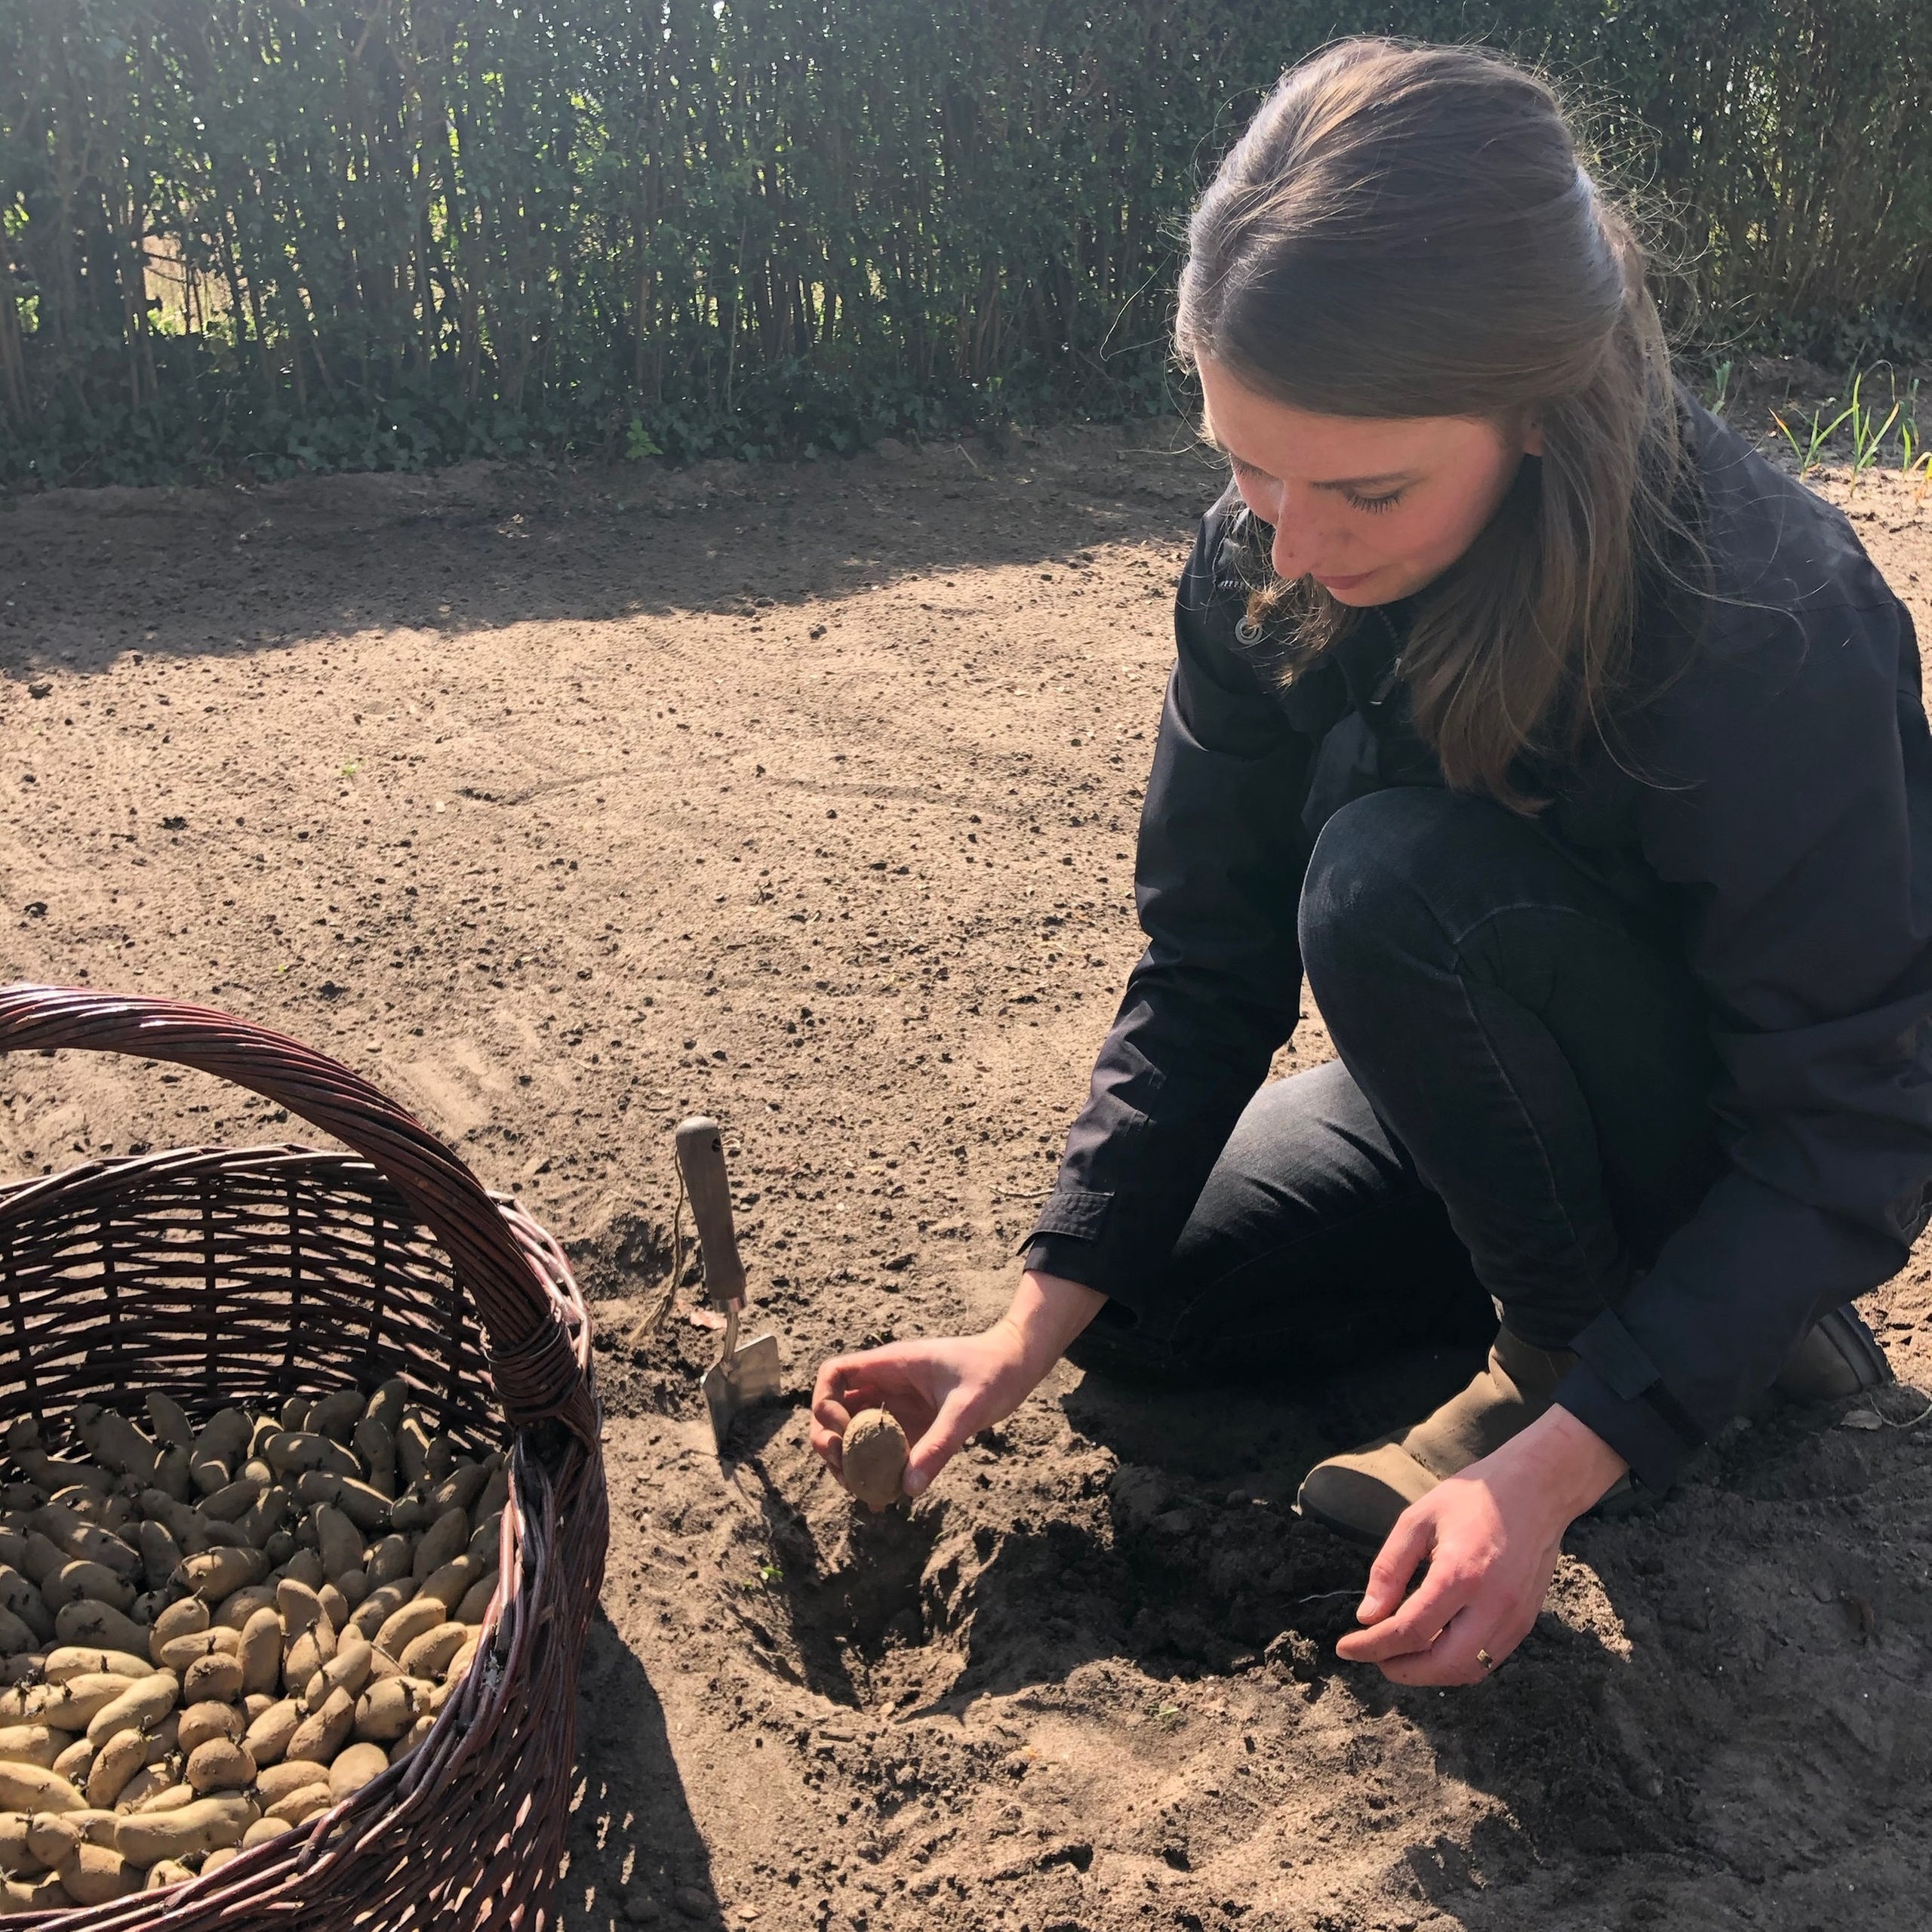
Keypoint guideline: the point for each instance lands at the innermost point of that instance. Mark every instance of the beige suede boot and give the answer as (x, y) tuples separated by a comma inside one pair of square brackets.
[(1361, 1493)]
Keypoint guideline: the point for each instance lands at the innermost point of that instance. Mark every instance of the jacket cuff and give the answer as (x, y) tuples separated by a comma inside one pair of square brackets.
[(1618, 1392)]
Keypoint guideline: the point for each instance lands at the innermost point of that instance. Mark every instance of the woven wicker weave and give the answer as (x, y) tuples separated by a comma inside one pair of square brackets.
[(222, 1275)]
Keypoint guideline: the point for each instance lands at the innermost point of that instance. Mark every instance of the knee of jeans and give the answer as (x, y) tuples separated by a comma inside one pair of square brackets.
[(1364, 900)]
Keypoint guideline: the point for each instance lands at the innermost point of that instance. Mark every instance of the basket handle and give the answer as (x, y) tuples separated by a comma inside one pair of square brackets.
[(534, 1358)]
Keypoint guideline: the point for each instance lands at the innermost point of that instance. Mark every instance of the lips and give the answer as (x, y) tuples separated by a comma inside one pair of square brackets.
[(1343, 582)]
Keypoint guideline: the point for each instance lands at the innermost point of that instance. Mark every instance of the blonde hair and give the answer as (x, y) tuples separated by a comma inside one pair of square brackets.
[(1405, 231)]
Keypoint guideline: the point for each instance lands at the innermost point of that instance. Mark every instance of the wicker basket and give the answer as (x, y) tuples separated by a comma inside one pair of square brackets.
[(221, 1274)]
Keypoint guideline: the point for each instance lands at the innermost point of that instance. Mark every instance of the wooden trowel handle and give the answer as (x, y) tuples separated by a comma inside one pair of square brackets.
[(701, 1162)]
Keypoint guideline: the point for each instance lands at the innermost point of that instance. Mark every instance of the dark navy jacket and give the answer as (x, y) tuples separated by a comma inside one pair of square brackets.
[(1768, 815)]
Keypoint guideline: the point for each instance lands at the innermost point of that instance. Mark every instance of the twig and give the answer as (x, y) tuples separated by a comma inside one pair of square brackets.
[(653, 1318)]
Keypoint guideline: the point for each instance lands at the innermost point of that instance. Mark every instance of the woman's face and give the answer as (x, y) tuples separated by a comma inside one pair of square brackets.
[(1372, 508)]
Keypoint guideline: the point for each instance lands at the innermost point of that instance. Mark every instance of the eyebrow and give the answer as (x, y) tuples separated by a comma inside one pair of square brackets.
[(1332, 483)]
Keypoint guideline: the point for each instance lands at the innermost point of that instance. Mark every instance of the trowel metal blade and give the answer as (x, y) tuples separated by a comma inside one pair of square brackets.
[(750, 1374)]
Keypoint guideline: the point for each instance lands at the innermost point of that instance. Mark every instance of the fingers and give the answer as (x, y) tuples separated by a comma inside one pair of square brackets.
[(1405, 1546), (1448, 1588), (956, 1420)]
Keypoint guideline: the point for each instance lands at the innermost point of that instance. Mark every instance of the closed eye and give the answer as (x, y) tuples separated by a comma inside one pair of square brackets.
[(1356, 502)]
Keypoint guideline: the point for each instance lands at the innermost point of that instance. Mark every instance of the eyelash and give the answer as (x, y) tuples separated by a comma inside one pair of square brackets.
[(1371, 504)]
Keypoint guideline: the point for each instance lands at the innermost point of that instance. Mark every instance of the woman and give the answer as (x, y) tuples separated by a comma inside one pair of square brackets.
[(1575, 757)]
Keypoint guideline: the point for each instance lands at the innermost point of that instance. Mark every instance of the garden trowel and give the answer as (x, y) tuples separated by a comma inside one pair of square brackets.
[(741, 1375)]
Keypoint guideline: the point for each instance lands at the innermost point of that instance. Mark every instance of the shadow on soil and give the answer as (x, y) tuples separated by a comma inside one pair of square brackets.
[(636, 1856), (233, 572)]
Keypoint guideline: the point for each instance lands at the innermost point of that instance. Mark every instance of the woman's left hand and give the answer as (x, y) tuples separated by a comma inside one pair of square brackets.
[(1490, 1536)]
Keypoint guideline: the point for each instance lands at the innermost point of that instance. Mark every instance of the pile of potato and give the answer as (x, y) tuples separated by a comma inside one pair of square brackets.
[(210, 1636)]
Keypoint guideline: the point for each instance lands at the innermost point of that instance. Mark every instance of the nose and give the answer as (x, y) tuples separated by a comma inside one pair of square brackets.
[(1298, 546)]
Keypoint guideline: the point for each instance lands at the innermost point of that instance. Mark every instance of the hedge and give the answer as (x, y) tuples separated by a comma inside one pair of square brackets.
[(273, 234)]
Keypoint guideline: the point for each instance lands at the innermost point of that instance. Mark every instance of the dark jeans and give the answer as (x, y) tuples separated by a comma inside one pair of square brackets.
[(1519, 1115)]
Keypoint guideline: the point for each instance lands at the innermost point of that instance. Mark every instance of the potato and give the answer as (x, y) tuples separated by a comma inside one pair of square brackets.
[(367, 1508), (320, 1735), (233, 1612), (388, 1560), (164, 1739), (486, 1541), (200, 1722), (114, 1763), (874, 1458), (71, 1705), (22, 1667), (299, 1604), (267, 1517), (386, 1709), (161, 1554), (273, 1783), (216, 1573), (17, 1638), (335, 1606), (17, 1856), (96, 1874), (338, 1541), (353, 1585), (41, 1558), (301, 1806), (204, 1826), (84, 1541), (225, 1854), (216, 1448), (413, 1620), (451, 1584), (356, 1765), (475, 1606), (412, 1740), (148, 1785), (412, 1448), (32, 1788), (188, 1618), (379, 1606), (73, 1581), (260, 1654), (376, 1447), (296, 1452), (496, 1494), (386, 1404), (167, 1871), (304, 1567), (233, 1499), (53, 1836), (181, 1654), (336, 1416), (309, 1652), (175, 1517), (141, 1707), (347, 1670), (117, 1444), (268, 1737), (75, 1762), (428, 1655), (88, 1622), (269, 1827), (172, 1430), (213, 1680), (173, 1475), (44, 1893), (221, 1765), (35, 1743), (54, 1476), (19, 1595)]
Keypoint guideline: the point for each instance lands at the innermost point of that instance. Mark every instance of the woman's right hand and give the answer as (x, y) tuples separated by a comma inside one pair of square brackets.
[(942, 1388)]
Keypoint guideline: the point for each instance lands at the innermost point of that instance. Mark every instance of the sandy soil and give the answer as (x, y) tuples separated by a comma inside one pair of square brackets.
[(565, 805)]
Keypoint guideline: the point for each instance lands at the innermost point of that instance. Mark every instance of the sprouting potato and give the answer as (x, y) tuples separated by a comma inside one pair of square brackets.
[(200, 1722), (33, 1744), (874, 1460)]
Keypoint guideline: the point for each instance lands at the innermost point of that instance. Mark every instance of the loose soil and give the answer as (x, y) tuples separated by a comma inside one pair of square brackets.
[(564, 805)]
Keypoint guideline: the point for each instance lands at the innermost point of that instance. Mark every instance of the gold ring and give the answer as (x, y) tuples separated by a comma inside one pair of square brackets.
[(1484, 1658)]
